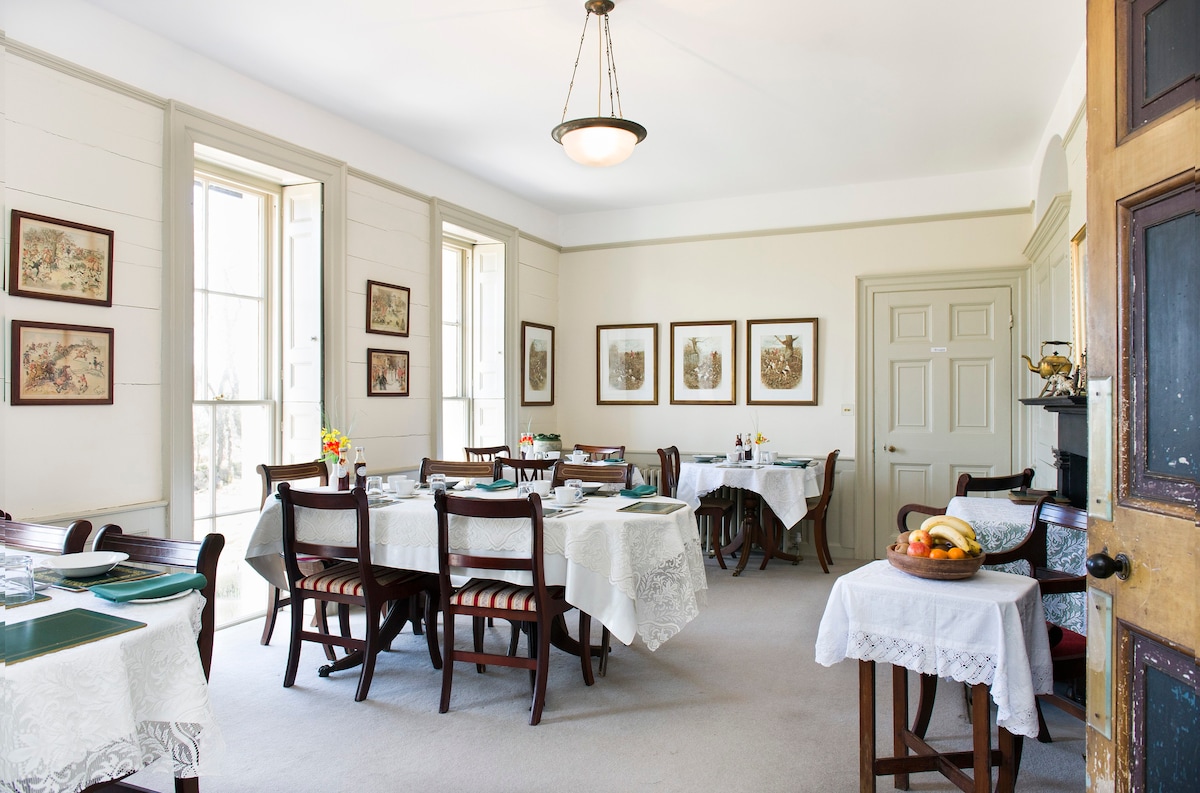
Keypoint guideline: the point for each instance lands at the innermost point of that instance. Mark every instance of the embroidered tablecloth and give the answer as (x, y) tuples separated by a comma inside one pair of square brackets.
[(989, 629), (785, 489)]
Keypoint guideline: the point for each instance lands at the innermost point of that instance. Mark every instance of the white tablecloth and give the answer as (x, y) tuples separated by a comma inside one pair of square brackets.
[(103, 710), (639, 575), (1001, 524), (986, 629), (785, 489)]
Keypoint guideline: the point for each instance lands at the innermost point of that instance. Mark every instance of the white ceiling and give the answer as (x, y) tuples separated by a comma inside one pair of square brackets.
[(740, 97)]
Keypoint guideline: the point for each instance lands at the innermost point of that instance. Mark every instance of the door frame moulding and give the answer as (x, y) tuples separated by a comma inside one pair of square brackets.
[(867, 287), (185, 127)]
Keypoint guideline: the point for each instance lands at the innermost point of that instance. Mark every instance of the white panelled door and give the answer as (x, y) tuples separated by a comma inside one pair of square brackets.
[(300, 348), (943, 407)]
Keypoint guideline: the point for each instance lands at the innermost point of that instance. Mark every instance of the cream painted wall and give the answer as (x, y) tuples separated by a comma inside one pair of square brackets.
[(538, 277), (803, 274)]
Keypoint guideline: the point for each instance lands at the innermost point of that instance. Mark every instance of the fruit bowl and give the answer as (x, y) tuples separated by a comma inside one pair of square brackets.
[(938, 569)]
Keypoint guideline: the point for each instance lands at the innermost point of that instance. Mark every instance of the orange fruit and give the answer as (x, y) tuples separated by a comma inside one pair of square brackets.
[(938, 553), (956, 553)]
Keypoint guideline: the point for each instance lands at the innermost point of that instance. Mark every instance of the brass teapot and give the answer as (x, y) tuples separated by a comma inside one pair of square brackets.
[(1053, 363)]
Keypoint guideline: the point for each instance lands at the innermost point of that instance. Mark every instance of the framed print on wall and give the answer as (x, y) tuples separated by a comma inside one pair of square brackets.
[(387, 309), (59, 260), (55, 364), (627, 364), (537, 364), (387, 373), (781, 361), (704, 363)]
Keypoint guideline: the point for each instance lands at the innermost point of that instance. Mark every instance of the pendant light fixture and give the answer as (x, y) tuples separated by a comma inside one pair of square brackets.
[(599, 140)]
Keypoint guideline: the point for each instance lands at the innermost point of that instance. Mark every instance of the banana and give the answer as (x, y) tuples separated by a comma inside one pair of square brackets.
[(947, 532), (975, 548), (958, 524)]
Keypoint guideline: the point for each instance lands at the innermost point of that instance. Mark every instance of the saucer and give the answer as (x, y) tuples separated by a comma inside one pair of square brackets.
[(164, 598)]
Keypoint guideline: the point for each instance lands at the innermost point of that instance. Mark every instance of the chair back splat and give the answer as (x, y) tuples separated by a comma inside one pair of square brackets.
[(467, 470), (602, 452), (527, 470), (46, 539), (537, 605), (486, 453), (616, 473), (197, 555), (354, 581)]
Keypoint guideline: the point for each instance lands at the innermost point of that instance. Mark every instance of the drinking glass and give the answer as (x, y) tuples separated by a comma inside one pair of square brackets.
[(18, 578), (374, 485), (437, 482)]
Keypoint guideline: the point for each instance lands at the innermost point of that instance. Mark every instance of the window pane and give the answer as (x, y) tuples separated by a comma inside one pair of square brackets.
[(455, 431), (1171, 51), (200, 346), (240, 441), (235, 346), (241, 592), (235, 247), (202, 505), (451, 286), (199, 233)]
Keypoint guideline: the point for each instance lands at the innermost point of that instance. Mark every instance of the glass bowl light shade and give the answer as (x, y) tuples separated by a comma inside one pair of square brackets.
[(599, 142)]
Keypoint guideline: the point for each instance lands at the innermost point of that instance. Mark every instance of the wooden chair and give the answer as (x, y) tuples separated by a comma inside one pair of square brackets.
[(967, 483), (718, 511), (458, 468), (1068, 649), (536, 605), (527, 470), (355, 581), (271, 476), (46, 539), (601, 452), (817, 513), (198, 555), (621, 474), (486, 453)]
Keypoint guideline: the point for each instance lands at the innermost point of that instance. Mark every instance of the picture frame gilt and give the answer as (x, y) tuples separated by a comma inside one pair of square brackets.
[(387, 373), (704, 363), (537, 364), (387, 308), (52, 259), (627, 364), (57, 364), (781, 361)]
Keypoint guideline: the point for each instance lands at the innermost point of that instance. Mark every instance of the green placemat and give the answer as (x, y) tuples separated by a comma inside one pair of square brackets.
[(54, 632), (38, 597), (653, 507), (122, 572)]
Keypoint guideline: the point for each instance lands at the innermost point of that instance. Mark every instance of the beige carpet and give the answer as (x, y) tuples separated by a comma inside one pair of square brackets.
[(733, 703)]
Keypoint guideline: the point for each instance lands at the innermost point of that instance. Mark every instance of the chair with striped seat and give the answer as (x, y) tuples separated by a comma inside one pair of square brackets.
[(536, 605), (355, 581)]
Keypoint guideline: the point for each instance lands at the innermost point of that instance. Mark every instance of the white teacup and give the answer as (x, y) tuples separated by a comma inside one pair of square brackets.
[(541, 487), (731, 457), (565, 496), (402, 486), (579, 457), (551, 455)]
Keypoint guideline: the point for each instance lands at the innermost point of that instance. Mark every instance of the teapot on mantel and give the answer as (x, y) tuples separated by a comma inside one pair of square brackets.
[(1053, 363)]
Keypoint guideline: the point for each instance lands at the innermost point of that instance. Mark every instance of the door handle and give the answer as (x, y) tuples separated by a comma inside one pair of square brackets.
[(1101, 565), (889, 448)]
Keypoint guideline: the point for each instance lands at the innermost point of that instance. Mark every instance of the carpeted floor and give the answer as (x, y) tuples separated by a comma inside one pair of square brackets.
[(734, 702)]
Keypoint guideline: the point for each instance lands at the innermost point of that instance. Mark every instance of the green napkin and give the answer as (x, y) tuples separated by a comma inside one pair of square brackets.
[(499, 484), (614, 460), (158, 587), (641, 491)]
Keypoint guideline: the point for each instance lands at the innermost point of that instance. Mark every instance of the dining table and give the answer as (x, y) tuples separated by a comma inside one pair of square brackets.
[(783, 491), (80, 714), (987, 631), (634, 564)]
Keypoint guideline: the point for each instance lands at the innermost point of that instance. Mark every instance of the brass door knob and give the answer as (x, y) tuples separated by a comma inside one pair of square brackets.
[(889, 448)]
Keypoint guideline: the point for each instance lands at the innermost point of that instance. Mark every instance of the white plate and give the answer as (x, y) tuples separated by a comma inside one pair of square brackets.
[(162, 599), (85, 565)]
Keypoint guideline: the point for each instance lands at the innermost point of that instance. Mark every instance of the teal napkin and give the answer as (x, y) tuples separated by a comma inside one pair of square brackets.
[(791, 463), (641, 491), (499, 484), (614, 461), (157, 587)]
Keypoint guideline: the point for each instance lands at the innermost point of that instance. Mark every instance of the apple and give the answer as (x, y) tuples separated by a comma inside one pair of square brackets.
[(918, 549), (920, 535)]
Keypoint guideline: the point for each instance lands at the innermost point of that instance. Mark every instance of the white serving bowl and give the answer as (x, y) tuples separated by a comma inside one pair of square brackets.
[(85, 565)]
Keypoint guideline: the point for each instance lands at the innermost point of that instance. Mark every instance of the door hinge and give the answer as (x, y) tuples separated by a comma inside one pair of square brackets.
[(1010, 321)]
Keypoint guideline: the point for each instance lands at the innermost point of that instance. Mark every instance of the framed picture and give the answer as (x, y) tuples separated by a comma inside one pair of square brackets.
[(54, 364), (537, 364), (387, 373), (781, 362), (59, 260), (387, 309), (703, 363), (627, 364)]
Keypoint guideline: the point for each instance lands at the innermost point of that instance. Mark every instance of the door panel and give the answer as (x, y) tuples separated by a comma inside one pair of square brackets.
[(301, 317), (943, 358), (1139, 150)]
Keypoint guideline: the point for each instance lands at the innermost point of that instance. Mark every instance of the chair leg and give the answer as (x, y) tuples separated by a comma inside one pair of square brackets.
[(514, 639), (1043, 735), (714, 538), (431, 610), (275, 601), (293, 662), (585, 647), (477, 638), (370, 651), (541, 672), (821, 540), (447, 659)]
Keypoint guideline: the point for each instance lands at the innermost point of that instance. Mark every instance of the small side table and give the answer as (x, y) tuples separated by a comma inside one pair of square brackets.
[(988, 631)]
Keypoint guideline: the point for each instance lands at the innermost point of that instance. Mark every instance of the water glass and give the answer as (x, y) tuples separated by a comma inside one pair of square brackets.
[(437, 482), (18, 578), (524, 489), (374, 485)]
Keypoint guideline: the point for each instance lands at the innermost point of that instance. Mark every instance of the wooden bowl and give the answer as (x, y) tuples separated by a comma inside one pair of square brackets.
[(938, 569)]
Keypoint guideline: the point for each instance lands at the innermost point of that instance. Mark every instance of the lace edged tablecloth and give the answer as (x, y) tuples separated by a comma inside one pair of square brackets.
[(103, 710), (989, 629), (638, 574)]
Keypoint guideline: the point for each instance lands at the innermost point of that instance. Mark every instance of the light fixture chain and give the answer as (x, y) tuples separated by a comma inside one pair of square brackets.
[(613, 87), (576, 69)]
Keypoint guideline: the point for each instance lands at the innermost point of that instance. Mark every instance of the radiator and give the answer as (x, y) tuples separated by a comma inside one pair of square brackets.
[(652, 474)]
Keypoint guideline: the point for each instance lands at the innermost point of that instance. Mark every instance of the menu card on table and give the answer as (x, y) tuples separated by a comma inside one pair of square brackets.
[(54, 632)]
